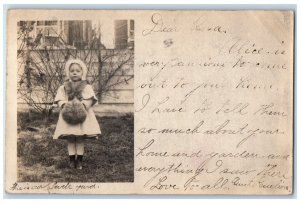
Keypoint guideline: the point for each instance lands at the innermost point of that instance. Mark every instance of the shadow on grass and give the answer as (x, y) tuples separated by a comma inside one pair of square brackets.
[(42, 159)]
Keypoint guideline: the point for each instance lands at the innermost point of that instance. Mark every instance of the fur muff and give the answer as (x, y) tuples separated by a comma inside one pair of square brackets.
[(74, 112), (74, 89)]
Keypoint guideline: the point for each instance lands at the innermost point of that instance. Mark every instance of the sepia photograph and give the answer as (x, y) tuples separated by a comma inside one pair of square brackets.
[(75, 117), (150, 102)]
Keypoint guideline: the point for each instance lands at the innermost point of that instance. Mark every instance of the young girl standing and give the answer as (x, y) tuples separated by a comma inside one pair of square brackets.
[(77, 120)]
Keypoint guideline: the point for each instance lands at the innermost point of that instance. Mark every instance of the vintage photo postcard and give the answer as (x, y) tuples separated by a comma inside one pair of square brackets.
[(149, 102)]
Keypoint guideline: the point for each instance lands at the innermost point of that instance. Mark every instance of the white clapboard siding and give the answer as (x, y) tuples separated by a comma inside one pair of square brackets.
[(118, 82), (119, 98), (110, 97), (99, 109), (126, 69), (93, 68), (113, 109), (59, 55), (115, 83)]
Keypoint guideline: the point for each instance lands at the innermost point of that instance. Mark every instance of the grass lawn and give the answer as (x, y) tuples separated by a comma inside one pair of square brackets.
[(42, 159)]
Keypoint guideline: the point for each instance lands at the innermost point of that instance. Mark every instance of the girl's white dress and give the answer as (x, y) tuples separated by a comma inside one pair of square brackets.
[(88, 129)]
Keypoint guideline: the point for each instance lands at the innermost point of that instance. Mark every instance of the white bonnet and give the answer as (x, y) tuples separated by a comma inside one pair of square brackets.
[(80, 63)]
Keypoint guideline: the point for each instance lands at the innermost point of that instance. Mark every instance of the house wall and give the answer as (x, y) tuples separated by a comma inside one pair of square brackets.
[(118, 100)]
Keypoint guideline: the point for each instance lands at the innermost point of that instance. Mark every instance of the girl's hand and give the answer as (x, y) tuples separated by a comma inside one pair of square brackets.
[(87, 103), (61, 104)]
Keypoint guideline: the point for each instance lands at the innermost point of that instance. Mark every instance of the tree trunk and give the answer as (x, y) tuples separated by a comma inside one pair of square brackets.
[(99, 69)]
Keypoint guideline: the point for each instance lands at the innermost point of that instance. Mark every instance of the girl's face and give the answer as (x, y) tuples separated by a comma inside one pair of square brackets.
[(75, 72)]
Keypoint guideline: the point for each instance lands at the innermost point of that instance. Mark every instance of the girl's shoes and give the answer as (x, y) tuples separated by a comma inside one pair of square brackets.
[(79, 162), (72, 163), (76, 163), (79, 165)]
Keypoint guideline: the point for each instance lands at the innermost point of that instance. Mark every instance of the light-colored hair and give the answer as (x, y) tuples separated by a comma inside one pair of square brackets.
[(70, 62)]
